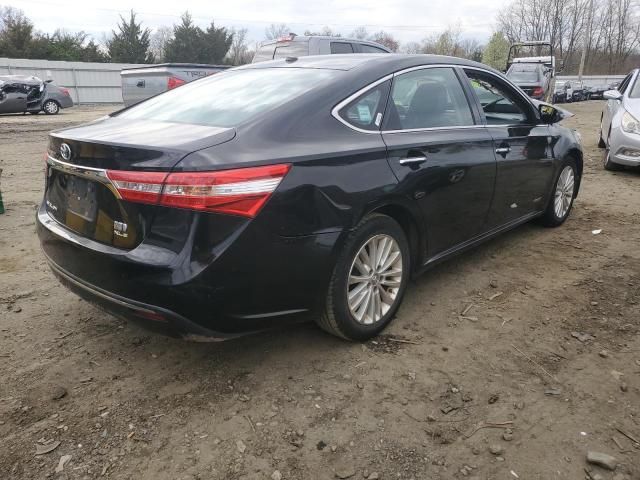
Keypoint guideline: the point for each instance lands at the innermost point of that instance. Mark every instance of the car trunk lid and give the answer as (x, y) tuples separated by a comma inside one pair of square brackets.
[(80, 191)]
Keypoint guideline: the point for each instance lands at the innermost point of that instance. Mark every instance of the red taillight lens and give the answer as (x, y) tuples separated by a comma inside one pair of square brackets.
[(240, 192), (174, 82), (538, 91), (65, 91)]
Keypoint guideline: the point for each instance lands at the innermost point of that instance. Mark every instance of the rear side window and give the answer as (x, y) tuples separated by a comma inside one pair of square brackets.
[(292, 49), (230, 98), (427, 98), (371, 49), (341, 47), (366, 111)]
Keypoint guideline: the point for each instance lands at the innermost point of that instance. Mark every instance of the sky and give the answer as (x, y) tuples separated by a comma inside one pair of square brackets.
[(407, 20)]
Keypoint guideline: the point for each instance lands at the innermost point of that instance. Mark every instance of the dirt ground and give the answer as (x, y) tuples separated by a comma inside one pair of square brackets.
[(511, 361)]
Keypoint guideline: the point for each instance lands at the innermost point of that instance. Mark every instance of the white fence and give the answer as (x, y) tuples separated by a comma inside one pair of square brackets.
[(87, 82), (591, 80)]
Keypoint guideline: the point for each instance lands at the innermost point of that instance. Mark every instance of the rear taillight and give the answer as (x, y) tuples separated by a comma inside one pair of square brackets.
[(174, 82), (538, 91), (240, 192)]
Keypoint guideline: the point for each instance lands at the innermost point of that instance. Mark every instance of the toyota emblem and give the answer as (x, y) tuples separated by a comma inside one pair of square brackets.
[(65, 151)]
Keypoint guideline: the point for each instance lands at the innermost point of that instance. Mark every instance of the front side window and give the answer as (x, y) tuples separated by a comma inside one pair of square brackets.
[(341, 47), (501, 104), (230, 98), (635, 89), (427, 98), (366, 111)]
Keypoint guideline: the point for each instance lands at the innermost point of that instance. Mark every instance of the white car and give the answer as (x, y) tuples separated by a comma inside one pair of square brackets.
[(620, 127)]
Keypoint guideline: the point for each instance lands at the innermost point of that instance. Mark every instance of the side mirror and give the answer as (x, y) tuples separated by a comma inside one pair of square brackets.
[(48, 81), (549, 114), (612, 95)]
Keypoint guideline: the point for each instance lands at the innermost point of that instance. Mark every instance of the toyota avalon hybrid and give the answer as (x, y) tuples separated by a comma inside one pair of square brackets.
[(303, 187)]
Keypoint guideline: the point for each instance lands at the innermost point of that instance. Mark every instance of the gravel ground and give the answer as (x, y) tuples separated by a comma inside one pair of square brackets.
[(543, 367)]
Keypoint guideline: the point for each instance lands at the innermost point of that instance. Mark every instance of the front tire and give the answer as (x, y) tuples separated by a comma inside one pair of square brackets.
[(368, 281), (606, 159), (51, 107), (564, 191)]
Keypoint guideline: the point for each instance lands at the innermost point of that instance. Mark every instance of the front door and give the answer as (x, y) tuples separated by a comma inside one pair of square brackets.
[(523, 149), (12, 98), (441, 155)]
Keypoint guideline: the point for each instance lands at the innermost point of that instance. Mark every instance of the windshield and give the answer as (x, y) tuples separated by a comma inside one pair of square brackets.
[(524, 76), (230, 98)]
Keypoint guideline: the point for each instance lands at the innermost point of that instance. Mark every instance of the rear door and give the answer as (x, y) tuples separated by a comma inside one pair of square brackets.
[(12, 98), (440, 153), (523, 147)]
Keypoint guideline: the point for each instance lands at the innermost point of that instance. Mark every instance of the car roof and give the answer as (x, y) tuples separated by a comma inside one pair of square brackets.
[(382, 61)]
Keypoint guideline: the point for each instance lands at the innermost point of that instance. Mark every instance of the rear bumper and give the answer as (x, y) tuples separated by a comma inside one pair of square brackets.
[(252, 281), (152, 317)]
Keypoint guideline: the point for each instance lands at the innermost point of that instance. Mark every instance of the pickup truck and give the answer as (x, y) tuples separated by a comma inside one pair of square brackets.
[(140, 83)]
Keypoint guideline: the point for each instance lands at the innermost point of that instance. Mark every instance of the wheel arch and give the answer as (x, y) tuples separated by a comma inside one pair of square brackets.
[(578, 157), (409, 224)]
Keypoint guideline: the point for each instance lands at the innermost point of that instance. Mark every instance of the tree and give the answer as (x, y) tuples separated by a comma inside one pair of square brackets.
[(158, 43), (496, 52), (192, 44), (239, 53), (359, 33), (187, 44), (276, 30), (16, 33), (216, 43), (131, 43), (386, 39), (326, 32)]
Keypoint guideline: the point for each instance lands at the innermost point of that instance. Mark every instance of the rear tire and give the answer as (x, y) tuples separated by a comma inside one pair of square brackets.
[(564, 192), (364, 294), (51, 107)]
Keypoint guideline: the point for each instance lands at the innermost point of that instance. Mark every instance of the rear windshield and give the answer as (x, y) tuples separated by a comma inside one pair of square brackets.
[(281, 50), (528, 76), (230, 98)]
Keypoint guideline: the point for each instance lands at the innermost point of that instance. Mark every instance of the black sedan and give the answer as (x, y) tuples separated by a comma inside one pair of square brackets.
[(304, 187)]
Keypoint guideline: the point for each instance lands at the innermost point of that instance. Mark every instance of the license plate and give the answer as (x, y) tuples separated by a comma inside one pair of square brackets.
[(81, 198)]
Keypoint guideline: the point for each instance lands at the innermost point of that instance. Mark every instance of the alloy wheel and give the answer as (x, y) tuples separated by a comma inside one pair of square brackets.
[(564, 192), (51, 107), (375, 278)]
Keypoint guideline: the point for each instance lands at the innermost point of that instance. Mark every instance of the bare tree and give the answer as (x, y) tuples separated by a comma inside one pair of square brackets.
[(276, 30), (239, 51), (359, 33), (386, 39), (614, 27), (159, 40)]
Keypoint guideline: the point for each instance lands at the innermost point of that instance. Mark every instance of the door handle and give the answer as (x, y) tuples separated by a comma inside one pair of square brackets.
[(503, 150), (140, 83), (413, 160)]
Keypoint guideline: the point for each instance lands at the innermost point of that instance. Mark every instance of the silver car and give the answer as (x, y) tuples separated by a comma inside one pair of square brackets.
[(23, 93), (620, 126)]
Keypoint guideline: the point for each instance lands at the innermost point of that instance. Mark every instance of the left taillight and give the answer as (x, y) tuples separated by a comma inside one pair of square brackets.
[(242, 191), (538, 91), (65, 91), (174, 82)]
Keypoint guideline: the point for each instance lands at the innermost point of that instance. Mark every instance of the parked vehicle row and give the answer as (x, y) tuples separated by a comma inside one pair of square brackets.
[(22, 94), (314, 185)]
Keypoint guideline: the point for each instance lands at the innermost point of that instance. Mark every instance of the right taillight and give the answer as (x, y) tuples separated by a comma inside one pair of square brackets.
[(538, 91), (242, 191), (174, 82)]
